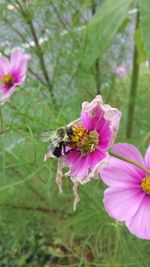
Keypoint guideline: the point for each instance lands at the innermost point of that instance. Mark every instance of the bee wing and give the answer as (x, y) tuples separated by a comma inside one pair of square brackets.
[(51, 148), (46, 136), (54, 144)]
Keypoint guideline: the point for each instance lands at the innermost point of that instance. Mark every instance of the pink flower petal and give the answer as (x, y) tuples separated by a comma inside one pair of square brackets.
[(122, 203), (16, 68), (4, 66), (72, 156), (92, 113), (95, 114), (80, 167), (89, 106), (139, 223), (147, 158), (94, 173), (4, 97), (131, 152), (19, 63), (119, 173), (18, 58), (92, 120), (96, 157), (83, 166), (113, 115), (3, 89), (105, 135)]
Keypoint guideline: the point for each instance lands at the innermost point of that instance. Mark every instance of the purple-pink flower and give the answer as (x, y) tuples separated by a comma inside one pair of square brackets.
[(99, 123), (128, 196), (120, 71), (87, 152), (12, 73)]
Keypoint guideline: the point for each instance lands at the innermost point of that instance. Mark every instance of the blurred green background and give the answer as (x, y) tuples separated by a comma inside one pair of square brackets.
[(77, 48)]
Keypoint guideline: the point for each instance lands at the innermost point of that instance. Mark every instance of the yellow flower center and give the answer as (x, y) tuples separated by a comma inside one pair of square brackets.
[(84, 140), (146, 185), (7, 80)]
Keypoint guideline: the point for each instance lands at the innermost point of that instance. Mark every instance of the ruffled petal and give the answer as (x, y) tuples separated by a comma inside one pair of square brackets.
[(89, 106), (122, 203), (95, 114), (139, 223), (113, 115), (83, 168), (79, 164), (94, 173), (147, 158), (92, 113), (92, 119)]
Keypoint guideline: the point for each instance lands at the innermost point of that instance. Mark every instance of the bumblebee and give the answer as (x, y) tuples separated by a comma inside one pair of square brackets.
[(59, 140)]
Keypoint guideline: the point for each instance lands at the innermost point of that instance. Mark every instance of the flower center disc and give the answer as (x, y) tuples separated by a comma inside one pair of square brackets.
[(7, 80), (146, 185), (84, 140)]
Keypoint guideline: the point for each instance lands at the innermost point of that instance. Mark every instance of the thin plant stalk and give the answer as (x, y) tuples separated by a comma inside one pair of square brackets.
[(1, 121), (130, 161), (97, 62), (133, 89), (39, 51)]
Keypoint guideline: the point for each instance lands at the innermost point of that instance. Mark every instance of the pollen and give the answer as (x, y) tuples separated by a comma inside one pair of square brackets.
[(8, 80), (82, 139), (79, 132), (146, 185), (90, 143)]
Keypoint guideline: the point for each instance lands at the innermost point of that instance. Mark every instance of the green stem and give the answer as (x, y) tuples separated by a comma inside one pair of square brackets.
[(1, 120), (133, 89), (28, 18), (130, 161), (97, 62)]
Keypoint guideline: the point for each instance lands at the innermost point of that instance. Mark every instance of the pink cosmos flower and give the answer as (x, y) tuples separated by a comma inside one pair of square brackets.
[(120, 71), (128, 198), (94, 134), (101, 123), (12, 73)]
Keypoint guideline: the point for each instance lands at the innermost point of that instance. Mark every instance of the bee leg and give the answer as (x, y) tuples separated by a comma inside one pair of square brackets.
[(67, 152), (64, 148)]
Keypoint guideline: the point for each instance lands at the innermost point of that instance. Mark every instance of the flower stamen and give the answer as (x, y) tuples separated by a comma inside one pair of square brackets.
[(8, 80), (146, 185), (82, 139)]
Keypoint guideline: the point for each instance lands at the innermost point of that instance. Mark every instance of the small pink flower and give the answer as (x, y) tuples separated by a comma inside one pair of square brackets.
[(12, 73), (128, 198), (94, 134), (120, 71)]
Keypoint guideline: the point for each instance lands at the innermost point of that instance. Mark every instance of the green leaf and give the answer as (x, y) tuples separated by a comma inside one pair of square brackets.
[(102, 28), (123, 25), (144, 6)]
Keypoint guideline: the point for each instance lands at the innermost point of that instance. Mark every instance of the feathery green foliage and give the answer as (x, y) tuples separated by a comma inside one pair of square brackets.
[(38, 225)]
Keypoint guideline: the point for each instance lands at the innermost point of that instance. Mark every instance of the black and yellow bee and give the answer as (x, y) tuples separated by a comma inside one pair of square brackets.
[(59, 140)]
